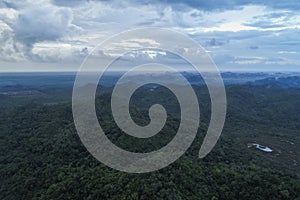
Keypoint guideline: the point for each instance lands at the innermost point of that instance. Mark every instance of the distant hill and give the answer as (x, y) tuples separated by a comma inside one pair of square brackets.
[(282, 82)]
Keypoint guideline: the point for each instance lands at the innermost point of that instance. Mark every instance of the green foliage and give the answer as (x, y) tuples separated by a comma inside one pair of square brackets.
[(41, 156)]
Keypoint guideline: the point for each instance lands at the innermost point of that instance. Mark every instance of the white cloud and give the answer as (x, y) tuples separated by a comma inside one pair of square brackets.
[(40, 21), (41, 31)]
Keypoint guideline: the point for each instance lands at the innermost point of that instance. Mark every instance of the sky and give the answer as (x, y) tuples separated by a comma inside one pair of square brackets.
[(239, 35)]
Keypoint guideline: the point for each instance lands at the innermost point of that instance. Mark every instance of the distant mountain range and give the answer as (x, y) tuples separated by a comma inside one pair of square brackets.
[(31, 81), (283, 82)]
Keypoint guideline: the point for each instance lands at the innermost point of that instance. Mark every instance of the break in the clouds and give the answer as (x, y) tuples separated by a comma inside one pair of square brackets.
[(56, 35)]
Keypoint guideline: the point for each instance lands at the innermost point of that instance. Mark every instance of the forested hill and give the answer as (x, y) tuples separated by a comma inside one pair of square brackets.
[(43, 158)]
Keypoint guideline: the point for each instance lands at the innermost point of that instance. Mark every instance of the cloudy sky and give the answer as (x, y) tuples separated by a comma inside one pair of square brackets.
[(240, 35)]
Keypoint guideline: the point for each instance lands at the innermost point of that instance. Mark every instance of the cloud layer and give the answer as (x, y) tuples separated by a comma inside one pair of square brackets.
[(240, 35)]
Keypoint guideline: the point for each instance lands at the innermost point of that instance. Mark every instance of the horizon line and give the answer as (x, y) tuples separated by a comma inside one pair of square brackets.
[(116, 71)]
